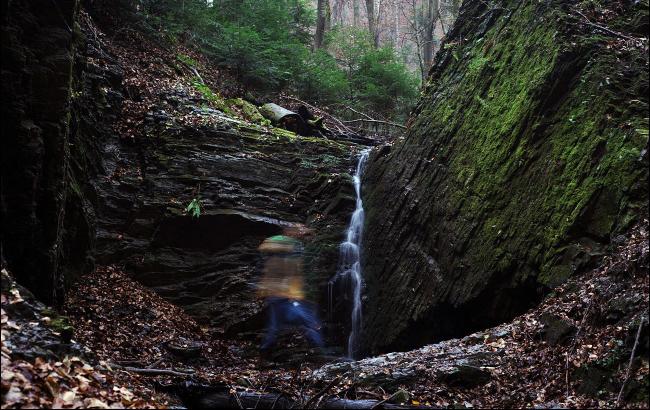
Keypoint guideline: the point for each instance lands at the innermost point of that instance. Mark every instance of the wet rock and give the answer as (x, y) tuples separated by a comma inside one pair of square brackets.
[(451, 362), (619, 307), (474, 338), (250, 183), (466, 376), (498, 333), (32, 329), (556, 330), (185, 350), (45, 159), (593, 379), (400, 396)]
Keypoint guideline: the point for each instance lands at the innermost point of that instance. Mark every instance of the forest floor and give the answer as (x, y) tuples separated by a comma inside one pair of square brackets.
[(121, 345), (573, 350)]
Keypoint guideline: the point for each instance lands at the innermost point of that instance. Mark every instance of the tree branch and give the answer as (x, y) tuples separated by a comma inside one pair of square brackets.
[(375, 122), (155, 372), (323, 113), (320, 393), (605, 29), (629, 365)]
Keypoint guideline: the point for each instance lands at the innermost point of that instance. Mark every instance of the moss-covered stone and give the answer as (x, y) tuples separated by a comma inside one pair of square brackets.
[(247, 111), (524, 157), (214, 98)]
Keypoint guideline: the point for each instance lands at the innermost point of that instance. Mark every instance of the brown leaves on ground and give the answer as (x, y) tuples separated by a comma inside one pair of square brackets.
[(124, 321), (72, 382), (150, 70), (126, 324)]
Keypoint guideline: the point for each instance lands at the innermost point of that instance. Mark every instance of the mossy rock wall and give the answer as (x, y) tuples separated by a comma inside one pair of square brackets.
[(526, 154)]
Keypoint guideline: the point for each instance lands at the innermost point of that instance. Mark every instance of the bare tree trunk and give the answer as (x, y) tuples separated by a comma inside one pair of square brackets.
[(395, 23), (431, 21), (356, 13), (372, 26), (328, 17), (321, 23), (413, 18), (337, 12)]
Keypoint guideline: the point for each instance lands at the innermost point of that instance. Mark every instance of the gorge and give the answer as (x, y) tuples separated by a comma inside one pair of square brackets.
[(503, 232)]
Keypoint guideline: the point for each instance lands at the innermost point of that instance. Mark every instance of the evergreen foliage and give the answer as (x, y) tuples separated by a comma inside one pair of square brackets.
[(266, 44)]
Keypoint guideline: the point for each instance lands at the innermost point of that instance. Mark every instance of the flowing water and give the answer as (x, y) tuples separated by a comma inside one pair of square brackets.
[(350, 259)]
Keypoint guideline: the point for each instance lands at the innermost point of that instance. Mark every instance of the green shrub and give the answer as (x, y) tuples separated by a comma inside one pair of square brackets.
[(266, 45)]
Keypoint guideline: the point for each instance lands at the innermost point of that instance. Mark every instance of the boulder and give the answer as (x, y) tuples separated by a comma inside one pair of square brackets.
[(557, 330)]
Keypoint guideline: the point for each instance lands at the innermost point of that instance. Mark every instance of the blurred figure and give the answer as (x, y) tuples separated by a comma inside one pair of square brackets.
[(282, 286)]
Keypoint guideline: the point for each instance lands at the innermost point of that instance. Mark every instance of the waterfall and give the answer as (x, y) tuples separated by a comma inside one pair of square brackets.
[(350, 258)]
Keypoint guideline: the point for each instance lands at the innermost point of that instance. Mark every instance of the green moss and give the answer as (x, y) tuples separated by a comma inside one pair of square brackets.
[(187, 60), (216, 100), (538, 133), (477, 64), (282, 133), (49, 312), (60, 324), (247, 111), (554, 275)]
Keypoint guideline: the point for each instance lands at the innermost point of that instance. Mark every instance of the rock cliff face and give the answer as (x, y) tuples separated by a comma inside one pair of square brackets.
[(250, 182), (109, 137), (47, 220), (250, 179), (526, 154)]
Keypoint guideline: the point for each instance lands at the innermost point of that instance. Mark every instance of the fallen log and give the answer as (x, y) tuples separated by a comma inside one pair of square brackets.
[(343, 129), (284, 118), (392, 124), (279, 401), (195, 395)]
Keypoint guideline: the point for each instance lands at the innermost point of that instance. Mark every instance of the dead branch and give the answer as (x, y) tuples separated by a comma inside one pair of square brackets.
[(381, 403), (239, 403), (156, 363), (375, 122), (322, 113), (357, 112), (605, 29), (196, 73), (156, 372), (629, 365), (268, 401), (315, 397)]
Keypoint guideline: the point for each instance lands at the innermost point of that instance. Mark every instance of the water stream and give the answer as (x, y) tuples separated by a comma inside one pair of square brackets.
[(350, 259)]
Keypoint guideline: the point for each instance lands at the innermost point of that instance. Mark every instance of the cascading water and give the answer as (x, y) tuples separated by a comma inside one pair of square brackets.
[(350, 258)]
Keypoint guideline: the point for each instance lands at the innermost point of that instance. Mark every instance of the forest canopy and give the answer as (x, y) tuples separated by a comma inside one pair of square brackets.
[(268, 45)]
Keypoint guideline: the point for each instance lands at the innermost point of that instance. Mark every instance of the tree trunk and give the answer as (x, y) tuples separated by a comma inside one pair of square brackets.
[(395, 24), (356, 13), (372, 27), (337, 12), (431, 21), (321, 23)]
